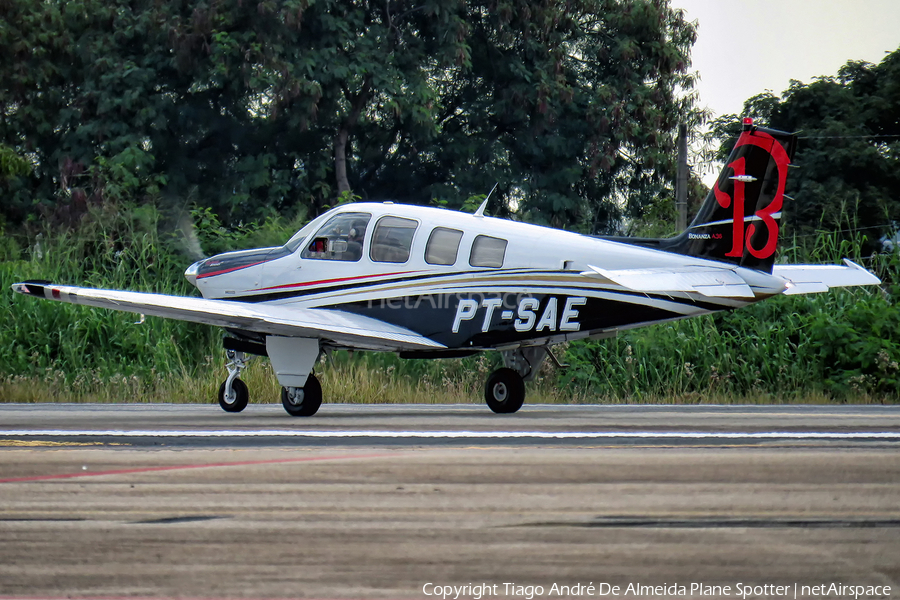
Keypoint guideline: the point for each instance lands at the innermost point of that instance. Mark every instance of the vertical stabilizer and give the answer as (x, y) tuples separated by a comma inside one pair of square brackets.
[(739, 221)]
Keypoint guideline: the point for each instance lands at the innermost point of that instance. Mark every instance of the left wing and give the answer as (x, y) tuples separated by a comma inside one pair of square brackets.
[(337, 326)]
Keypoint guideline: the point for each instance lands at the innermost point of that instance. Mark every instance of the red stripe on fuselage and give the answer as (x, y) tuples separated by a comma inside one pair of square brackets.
[(229, 270), (323, 281)]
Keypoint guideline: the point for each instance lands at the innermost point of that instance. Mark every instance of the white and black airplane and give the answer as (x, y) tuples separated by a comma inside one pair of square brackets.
[(433, 283)]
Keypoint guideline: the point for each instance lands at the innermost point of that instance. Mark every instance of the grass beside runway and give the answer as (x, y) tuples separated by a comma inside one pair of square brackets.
[(356, 380)]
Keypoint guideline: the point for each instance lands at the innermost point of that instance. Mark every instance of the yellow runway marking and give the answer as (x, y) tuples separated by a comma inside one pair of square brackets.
[(48, 444)]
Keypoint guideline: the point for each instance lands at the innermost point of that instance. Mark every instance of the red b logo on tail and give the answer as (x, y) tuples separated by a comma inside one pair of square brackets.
[(741, 238)]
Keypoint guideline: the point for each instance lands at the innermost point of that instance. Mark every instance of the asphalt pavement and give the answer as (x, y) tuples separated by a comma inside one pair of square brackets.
[(371, 501)]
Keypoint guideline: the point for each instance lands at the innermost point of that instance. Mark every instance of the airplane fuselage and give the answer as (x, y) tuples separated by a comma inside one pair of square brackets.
[(527, 285)]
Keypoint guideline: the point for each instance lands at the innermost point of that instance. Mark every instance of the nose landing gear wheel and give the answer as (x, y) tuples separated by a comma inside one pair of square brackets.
[(504, 391), (305, 401), (238, 399)]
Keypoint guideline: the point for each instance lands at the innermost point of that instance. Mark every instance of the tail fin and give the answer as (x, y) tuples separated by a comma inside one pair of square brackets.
[(739, 221)]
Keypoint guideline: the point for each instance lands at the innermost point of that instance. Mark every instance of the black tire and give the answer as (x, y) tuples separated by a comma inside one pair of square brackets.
[(312, 399), (241, 396), (504, 391)]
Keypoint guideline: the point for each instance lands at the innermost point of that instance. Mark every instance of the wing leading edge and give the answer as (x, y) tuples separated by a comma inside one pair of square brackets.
[(333, 325)]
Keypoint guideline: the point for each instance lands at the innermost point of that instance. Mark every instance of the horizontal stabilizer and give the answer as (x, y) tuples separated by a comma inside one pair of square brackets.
[(333, 325), (709, 281), (812, 279)]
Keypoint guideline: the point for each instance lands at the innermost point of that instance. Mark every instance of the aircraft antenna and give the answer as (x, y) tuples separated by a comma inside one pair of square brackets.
[(480, 211)]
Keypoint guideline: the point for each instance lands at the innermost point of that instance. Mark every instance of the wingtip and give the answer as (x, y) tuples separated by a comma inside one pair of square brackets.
[(30, 288), (873, 279)]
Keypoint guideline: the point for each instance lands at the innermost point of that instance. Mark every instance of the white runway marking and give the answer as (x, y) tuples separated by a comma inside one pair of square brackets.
[(560, 435)]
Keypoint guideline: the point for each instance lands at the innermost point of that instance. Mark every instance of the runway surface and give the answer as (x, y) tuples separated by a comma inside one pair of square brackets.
[(187, 501), (366, 425)]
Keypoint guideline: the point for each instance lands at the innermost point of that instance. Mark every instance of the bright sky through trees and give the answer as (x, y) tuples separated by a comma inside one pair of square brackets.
[(748, 46)]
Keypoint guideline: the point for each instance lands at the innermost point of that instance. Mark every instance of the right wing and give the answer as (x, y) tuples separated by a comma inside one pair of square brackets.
[(811, 279), (712, 282), (337, 326)]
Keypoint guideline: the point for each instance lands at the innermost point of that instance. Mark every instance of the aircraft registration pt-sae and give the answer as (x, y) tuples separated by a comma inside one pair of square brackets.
[(433, 283)]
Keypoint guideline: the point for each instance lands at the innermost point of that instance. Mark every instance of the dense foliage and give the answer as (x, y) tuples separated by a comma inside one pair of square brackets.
[(258, 107)]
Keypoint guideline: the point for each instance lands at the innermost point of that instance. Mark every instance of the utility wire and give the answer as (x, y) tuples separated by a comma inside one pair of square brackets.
[(852, 229), (845, 137)]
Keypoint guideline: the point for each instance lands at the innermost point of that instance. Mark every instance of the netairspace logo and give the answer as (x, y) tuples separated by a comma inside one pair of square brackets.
[(667, 590)]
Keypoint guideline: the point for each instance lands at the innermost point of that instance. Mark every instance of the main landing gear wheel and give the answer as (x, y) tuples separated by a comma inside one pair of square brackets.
[(237, 400), (504, 391), (305, 401)]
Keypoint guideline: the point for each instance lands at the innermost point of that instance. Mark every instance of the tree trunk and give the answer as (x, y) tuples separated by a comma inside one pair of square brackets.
[(340, 160), (340, 140)]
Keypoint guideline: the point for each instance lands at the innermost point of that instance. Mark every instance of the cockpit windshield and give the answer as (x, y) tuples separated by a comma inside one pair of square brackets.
[(297, 239), (340, 238)]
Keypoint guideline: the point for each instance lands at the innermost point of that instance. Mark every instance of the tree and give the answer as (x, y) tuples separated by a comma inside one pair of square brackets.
[(849, 146), (572, 107), (253, 107)]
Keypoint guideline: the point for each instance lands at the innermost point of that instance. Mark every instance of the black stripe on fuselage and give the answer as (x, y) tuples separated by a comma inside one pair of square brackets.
[(435, 316), (300, 293)]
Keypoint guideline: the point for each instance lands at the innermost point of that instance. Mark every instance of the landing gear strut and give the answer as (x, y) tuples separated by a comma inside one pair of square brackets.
[(292, 360), (233, 393), (302, 401)]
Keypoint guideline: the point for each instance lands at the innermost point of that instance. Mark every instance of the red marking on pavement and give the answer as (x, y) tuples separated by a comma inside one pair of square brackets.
[(87, 597), (183, 467)]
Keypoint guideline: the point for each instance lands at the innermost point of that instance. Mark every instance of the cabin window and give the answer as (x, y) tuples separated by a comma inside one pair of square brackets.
[(487, 252), (392, 239), (443, 244), (340, 238)]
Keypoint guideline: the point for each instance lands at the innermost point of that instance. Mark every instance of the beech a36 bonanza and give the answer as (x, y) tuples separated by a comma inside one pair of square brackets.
[(432, 283)]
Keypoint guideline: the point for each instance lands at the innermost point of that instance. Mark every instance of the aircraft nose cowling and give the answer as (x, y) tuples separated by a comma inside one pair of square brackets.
[(230, 262), (191, 272)]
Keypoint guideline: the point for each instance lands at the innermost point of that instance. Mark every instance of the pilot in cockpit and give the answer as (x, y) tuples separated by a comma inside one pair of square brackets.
[(355, 241)]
